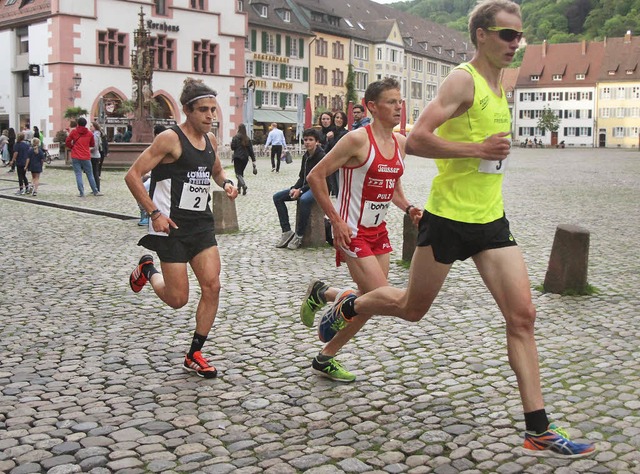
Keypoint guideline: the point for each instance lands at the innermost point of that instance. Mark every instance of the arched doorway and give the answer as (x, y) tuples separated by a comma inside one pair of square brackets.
[(111, 115)]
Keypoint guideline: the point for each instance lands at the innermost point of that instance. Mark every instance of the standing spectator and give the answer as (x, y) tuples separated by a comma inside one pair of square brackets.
[(301, 192), (242, 151), (4, 148), (11, 143), (95, 152), (340, 121), (128, 134), (104, 150), (276, 140), (38, 134), (359, 120), (80, 141), (35, 159), (19, 160), (28, 133), (326, 125)]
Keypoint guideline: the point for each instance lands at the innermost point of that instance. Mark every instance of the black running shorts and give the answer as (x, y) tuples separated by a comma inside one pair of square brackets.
[(453, 240), (179, 249)]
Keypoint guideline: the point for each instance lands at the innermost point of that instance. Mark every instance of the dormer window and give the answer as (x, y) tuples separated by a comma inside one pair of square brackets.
[(334, 21), (285, 15), (315, 16), (361, 26), (579, 77), (534, 77), (262, 11), (438, 49), (349, 24), (424, 45), (408, 41), (557, 77), (451, 52)]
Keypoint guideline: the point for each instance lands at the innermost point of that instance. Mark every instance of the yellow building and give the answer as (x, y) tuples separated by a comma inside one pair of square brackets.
[(618, 92), (328, 68)]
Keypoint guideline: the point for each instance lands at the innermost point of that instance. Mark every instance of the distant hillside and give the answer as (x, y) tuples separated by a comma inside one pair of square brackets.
[(557, 21)]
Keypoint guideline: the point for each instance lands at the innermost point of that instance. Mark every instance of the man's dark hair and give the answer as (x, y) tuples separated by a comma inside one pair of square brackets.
[(193, 90), (82, 121), (158, 129), (359, 107), (375, 89), (311, 132)]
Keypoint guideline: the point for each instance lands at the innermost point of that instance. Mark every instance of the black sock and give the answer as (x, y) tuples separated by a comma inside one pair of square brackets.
[(348, 309), (536, 421), (323, 357), (148, 270), (196, 343)]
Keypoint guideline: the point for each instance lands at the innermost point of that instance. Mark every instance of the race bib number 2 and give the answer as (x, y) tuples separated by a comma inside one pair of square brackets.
[(194, 197), (373, 213)]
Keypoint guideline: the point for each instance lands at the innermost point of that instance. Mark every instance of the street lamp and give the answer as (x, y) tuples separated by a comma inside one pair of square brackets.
[(77, 80)]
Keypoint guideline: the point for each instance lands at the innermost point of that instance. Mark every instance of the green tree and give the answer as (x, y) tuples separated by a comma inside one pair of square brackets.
[(72, 113), (549, 120), (352, 96)]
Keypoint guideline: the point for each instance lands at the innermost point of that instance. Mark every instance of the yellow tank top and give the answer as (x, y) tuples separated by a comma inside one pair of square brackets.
[(470, 189)]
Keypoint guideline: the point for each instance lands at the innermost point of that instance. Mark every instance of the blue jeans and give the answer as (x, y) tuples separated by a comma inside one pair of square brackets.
[(78, 167), (304, 210)]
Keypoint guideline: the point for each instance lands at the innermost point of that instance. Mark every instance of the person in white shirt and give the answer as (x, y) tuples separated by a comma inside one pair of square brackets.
[(276, 141)]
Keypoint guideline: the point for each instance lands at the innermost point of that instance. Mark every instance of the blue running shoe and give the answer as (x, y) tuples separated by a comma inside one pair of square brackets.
[(333, 320), (555, 443)]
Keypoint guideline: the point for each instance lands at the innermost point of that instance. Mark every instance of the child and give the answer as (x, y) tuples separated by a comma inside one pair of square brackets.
[(35, 158)]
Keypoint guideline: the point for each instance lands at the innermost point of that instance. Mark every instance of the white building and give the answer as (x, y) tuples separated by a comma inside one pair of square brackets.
[(80, 53)]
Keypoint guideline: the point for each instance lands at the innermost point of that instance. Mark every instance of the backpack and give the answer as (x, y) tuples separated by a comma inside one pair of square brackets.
[(103, 145)]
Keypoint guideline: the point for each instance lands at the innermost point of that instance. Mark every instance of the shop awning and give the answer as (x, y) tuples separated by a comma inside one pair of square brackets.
[(277, 116)]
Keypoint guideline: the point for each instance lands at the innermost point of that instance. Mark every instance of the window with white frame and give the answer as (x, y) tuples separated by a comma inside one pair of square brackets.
[(249, 67), (445, 70), (270, 45), (620, 92), (379, 55), (635, 92), (432, 68), (337, 50), (555, 95), (618, 132), (286, 16), (534, 77), (293, 48), (394, 55), (580, 77), (321, 75), (322, 47), (293, 73), (556, 77), (605, 112), (263, 11), (585, 95), (337, 78), (432, 90), (22, 34), (572, 95), (416, 90), (320, 101), (361, 80), (634, 112), (584, 131), (620, 112), (605, 93), (360, 51), (416, 64), (291, 100)]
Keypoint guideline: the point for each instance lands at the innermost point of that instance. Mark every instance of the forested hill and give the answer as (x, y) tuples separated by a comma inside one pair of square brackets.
[(557, 21)]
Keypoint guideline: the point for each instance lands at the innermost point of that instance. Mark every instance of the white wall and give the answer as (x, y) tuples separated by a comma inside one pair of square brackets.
[(7, 85)]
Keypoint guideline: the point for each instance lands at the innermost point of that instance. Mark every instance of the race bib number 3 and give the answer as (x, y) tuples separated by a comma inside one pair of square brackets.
[(194, 197), (492, 167), (373, 213)]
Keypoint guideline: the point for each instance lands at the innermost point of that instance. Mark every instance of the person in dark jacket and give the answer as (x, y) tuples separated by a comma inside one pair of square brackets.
[(339, 125), (19, 161), (300, 192), (359, 119), (242, 151), (327, 129)]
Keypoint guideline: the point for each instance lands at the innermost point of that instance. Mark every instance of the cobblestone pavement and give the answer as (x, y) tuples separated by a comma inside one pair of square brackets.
[(91, 378)]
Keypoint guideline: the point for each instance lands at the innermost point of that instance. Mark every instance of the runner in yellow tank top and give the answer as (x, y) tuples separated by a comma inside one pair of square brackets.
[(465, 218)]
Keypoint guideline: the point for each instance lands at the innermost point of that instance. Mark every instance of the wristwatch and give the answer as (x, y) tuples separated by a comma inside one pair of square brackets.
[(225, 182)]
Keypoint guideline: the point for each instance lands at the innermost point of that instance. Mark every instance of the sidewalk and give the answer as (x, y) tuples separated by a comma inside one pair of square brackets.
[(91, 378)]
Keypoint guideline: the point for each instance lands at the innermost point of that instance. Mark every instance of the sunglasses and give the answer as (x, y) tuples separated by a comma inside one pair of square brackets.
[(506, 34)]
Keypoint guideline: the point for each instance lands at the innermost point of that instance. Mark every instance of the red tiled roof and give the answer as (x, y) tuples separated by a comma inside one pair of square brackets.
[(621, 57), (569, 59)]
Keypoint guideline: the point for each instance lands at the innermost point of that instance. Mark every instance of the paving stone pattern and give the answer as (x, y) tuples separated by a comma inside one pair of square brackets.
[(91, 378)]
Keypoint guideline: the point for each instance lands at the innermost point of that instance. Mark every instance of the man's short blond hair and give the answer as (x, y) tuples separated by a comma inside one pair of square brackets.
[(484, 15)]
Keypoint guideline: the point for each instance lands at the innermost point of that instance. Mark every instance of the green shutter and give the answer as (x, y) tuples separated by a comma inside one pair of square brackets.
[(283, 100), (264, 41), (287, 46), (283, 71), (258, 99), (254, 40), (305, 74), (301, 49), (258, 68), (278, 44)]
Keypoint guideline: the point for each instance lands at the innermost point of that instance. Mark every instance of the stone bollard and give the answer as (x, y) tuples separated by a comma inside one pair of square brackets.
[(224, 213), (409, 238), (314, 234), (569, 260)]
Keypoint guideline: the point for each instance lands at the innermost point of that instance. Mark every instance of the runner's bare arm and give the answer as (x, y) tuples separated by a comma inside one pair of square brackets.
[(454, 98)]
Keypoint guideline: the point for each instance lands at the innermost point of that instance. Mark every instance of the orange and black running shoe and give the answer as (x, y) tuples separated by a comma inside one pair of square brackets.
[(198, 364)]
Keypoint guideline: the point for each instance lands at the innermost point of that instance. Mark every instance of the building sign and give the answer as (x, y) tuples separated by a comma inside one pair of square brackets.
[(151, 25), (260, 84), (270, 57), (282, 85)]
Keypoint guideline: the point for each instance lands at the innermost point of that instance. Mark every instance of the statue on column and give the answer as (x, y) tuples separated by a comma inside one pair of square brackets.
[(142, 92)]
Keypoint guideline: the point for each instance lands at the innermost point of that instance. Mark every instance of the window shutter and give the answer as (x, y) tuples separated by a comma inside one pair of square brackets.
[(301, 49), (258, 68), (264, 41), (258, 99), (305, 74), (278, 44), (283, 71), (287, 46), (254, 40), (283, 100)]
